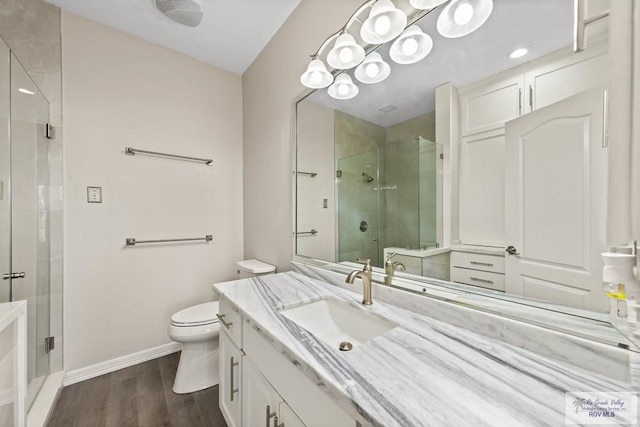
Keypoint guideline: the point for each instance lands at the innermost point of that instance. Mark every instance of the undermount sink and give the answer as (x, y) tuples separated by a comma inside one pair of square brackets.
[(337, 322)]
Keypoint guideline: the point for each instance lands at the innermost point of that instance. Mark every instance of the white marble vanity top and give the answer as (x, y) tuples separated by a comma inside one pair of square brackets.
[(422, 373)]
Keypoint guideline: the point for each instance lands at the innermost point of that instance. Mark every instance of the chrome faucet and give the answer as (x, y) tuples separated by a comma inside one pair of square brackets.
[(365, 275), (390, 268)]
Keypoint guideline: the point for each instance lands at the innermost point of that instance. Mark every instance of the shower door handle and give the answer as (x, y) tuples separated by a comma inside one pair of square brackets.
[(7, 276)]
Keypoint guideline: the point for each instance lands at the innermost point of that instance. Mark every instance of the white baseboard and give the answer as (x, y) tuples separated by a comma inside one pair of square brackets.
[(108, 366)]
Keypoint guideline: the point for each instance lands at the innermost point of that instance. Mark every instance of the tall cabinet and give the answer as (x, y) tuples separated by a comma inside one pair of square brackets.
[(485, 108)]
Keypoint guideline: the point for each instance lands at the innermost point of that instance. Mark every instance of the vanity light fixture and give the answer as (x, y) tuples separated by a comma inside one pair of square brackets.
[(373, 69), (385, 23), (316, 76), (346, 53), (426, 4), (412, 46), (519, 53), (462, 17), (343, 87)]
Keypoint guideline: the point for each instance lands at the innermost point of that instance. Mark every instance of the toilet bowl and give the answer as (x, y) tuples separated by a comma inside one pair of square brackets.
[(197, 328)]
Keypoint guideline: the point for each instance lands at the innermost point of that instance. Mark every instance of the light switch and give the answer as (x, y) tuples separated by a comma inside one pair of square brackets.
[(94, 194)]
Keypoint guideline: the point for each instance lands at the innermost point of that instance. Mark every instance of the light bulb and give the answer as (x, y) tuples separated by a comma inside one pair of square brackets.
[(346, 55), (382, 25), (372, 70), (409, 46), (343, 89), (463, 14), (316, 77), (519, 53)]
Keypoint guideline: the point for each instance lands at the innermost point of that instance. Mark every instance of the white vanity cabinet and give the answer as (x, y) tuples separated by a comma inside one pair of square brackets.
[(254, 376), (262, 405), (477, 269)]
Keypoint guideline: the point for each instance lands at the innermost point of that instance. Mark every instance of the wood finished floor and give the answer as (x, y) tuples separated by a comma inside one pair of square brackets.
[(140, 395)]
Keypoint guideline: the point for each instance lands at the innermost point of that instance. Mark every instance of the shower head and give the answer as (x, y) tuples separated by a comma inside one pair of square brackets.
[(368, 177)]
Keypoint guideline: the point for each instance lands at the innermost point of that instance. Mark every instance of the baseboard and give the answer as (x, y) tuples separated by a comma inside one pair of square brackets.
[(108, 366)]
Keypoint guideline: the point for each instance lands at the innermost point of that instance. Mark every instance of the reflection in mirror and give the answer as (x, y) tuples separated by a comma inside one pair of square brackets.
[(493, 141)]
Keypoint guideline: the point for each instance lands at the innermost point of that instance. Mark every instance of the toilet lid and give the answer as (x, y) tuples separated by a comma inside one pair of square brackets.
[(198, 314)]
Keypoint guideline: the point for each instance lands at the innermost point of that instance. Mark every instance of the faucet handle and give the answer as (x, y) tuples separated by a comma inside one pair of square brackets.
[(366, 262), (391, 255)]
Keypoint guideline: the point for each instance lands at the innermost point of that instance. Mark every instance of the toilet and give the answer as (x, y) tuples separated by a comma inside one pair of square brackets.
[(254, 268), (198, 330)]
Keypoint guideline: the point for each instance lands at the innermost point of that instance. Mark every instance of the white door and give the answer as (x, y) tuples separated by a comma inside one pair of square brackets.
[(555, 181)]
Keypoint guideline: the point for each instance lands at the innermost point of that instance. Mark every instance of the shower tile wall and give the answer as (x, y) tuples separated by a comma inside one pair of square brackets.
[(31, 28), (403, 171), (397, 186), (356, 145)]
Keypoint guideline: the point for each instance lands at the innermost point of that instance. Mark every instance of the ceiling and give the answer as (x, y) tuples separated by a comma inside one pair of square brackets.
[(231, 35), (542, 25)]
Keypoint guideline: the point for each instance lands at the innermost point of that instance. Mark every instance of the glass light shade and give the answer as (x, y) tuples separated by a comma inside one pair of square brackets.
[(385, 23), (343, 87), (412, 45), (373, 69), (316, 76), (462, 17), (426, 4), (346, 53)]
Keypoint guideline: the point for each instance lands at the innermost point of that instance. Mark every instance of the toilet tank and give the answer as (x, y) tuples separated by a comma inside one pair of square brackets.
[(253, 267)]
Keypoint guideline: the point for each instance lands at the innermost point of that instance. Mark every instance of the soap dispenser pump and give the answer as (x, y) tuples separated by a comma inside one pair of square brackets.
[(622, 287)]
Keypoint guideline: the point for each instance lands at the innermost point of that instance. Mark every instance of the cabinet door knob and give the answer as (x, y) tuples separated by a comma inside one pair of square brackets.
[(511, 250)]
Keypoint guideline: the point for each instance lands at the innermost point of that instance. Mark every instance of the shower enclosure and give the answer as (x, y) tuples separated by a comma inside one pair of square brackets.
[(25, 209), (389, 197)]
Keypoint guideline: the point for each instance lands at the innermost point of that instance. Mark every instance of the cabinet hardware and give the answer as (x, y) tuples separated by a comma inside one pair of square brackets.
[(220, 318), (519, 102), (7, 276), (531, 98), (482, 280), (605, 119), (275, 423), (511, 250), (270, 415), (488, 264), (232, 389)]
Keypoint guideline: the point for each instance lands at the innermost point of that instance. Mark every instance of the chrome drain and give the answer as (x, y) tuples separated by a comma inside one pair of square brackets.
[(345, 346)]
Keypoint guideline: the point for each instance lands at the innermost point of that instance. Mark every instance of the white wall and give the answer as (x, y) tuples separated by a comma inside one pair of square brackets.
[(270, 86), (315, 154), (122, 91)]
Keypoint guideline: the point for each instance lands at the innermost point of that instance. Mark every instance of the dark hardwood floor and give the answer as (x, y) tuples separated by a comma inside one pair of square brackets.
[(136, 396)]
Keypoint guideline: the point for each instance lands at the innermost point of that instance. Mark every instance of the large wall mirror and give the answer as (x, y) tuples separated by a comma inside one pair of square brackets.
[(481, 168)]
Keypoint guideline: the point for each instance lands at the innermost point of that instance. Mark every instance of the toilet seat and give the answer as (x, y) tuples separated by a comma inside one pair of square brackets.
[(198, 315)]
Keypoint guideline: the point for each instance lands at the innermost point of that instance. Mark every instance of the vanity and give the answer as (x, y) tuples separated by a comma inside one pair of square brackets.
[(404, 369)]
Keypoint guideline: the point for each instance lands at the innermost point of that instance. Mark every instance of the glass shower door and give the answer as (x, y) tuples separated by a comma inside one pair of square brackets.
[(30, 217), (358, 208), (5, 174)]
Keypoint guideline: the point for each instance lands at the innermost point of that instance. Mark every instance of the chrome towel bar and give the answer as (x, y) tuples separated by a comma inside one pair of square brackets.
[(132, 152), (132, 241), (313, 232), (311, 174)]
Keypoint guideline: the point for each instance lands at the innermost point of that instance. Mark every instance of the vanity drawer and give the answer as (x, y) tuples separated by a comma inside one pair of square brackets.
[(231, 323), (493, 263), (482, 279)]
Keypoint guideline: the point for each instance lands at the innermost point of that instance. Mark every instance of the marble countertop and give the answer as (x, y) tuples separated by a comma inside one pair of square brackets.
[(422, 373)]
